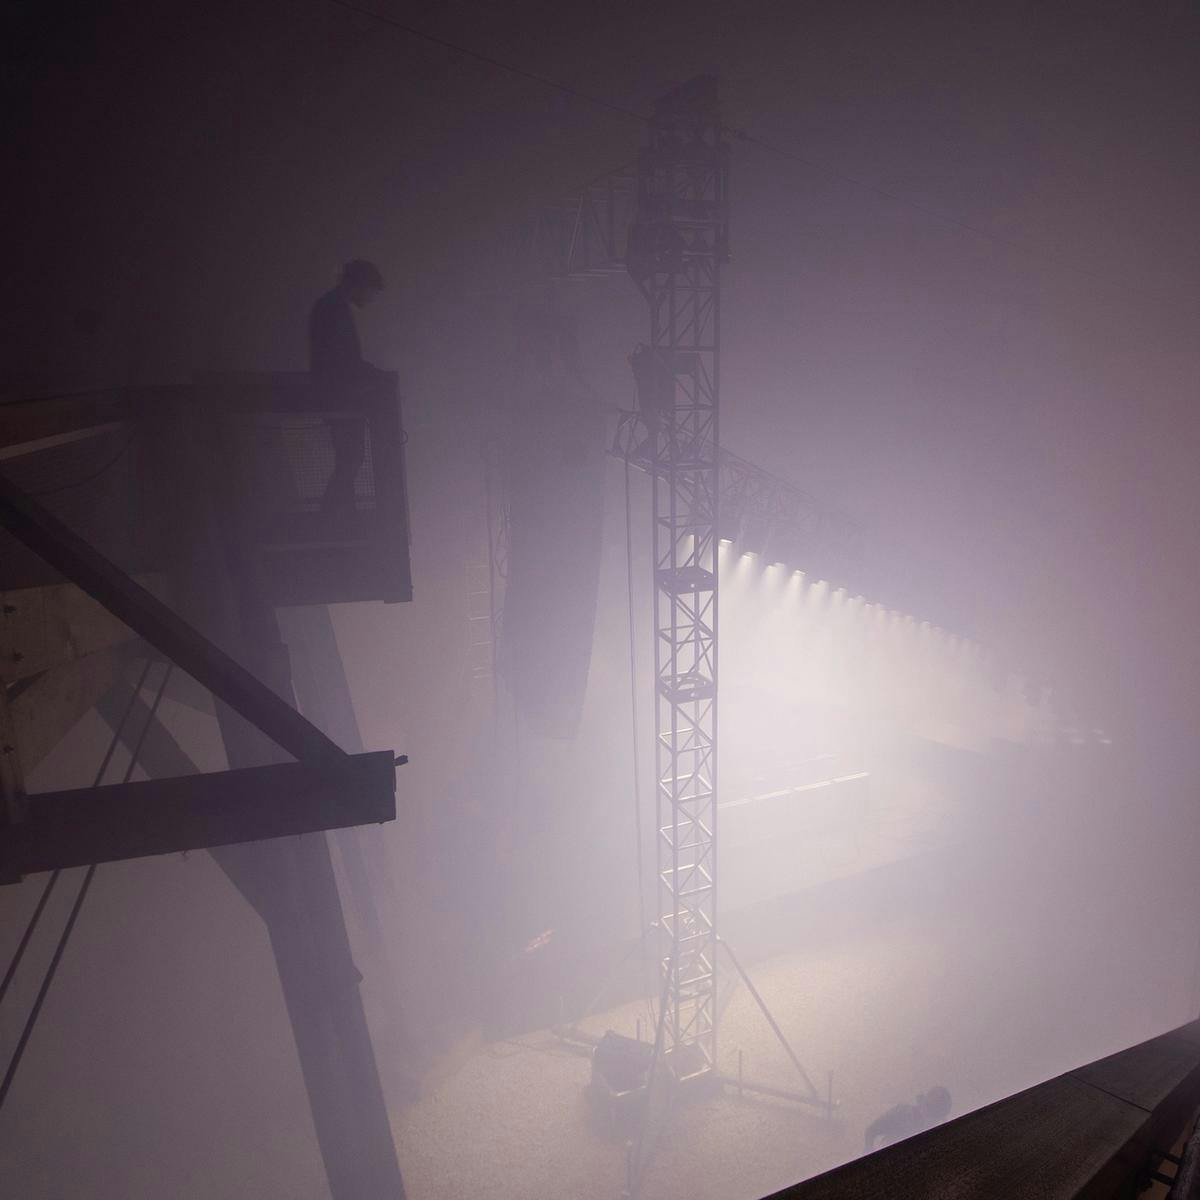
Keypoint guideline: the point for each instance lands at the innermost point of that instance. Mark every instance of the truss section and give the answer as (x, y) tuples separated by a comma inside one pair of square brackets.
[(584, 235), (762, 512), (675, 250)]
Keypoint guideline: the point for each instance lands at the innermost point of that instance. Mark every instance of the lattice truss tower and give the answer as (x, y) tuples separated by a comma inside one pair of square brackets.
[(681, 228)]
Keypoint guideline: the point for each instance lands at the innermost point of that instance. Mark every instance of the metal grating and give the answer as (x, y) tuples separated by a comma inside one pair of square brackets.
[(290, 457)]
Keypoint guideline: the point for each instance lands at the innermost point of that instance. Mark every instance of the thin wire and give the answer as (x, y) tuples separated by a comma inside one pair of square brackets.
[(150, 716), (54, 877), (29, 928), (112, 462), (90, 874), (637, 773), (641, 1160), (947, 219), (108, 466), (116, 737), (491, 541), (27, 1032), (521, 72)]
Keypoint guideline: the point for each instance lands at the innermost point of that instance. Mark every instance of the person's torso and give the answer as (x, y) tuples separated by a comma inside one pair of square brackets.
[(333, 346)]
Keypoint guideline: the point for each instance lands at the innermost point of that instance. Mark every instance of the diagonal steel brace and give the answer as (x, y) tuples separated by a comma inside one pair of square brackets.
[(50, 538)]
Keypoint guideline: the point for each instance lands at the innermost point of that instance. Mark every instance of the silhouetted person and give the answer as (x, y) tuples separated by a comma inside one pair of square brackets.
[(335, 360), (904, 1120)]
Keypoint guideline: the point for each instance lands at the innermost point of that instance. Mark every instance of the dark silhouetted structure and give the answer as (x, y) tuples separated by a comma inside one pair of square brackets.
[(904, 1120), (335, 360)]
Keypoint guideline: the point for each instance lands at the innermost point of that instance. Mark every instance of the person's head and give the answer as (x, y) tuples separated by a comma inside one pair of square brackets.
[(361, 282)]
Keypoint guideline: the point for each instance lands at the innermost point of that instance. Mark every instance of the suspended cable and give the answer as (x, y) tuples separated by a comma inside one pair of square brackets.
[(108, 465), (637, 785), (491, 545), (643, 929), (116, 737), (47, 980), (150, 718), (29, 928), (637, 771), (54, 877), (89, 875)]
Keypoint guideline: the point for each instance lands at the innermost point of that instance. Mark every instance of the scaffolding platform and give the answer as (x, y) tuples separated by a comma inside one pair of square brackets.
[(121, 470)]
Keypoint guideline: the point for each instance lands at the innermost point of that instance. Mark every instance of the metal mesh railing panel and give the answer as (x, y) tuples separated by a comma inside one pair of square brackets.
[(290, 460)]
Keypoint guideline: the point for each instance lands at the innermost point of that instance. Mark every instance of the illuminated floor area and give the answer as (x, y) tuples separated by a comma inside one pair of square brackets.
[(512, 1121), (841, 827), (974, 982)]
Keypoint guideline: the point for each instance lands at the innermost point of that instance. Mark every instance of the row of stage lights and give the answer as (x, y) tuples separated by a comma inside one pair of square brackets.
[(777, 524), (964, 649), (829, 547), (776, 542), (770, 557)]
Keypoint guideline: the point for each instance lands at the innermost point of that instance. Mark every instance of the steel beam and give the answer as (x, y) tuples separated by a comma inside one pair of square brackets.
[(219, 585), (316, 973), (161, 627), (166, 816)]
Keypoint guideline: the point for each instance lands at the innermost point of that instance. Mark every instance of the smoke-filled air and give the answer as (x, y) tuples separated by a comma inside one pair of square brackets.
[(597, 603)]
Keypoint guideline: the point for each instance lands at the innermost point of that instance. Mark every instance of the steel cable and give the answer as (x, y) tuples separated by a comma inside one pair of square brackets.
[(89, 875)]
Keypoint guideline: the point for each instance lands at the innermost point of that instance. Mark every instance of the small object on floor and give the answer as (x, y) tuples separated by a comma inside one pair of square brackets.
[(621, 1064), (620, 1073), (904, 1120)]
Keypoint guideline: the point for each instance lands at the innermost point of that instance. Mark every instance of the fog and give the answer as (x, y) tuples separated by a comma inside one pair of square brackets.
[(957, 824)]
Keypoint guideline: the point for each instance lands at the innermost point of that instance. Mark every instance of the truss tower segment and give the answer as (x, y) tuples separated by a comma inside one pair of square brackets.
[(676, 249)]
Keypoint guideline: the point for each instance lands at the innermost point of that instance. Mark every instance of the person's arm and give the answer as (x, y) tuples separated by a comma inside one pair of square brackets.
[(354, 368)]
